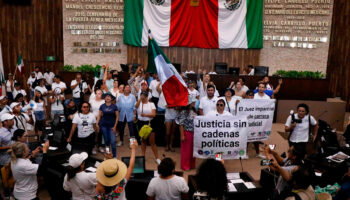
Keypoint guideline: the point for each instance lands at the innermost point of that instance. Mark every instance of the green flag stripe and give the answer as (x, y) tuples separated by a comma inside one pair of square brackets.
[(153, 51), (254, 23), (133, 22)]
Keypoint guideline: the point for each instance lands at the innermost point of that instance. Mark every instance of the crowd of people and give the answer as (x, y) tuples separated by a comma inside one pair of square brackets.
[(95, 120)]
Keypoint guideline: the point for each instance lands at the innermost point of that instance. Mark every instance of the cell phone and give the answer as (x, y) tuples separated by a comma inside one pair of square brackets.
[(218, 156), (107, 150), (265, 162), (272, 146), (132, 141)]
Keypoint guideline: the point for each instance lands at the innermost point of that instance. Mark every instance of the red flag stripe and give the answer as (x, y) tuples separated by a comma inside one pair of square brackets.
[(175, 93)]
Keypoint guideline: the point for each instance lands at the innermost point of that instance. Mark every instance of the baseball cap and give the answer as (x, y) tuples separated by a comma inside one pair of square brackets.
[(77, 159), (14, 104), (6, 116), (144, 82)]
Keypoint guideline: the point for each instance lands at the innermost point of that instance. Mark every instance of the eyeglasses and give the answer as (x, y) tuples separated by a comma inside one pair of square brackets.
[(221, 105), (85, 106)]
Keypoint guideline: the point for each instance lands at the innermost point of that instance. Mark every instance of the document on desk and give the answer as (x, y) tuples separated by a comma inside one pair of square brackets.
[(249, 185), (91, 169), (231, 176), (53, 148), (231, 188), (236, 181)]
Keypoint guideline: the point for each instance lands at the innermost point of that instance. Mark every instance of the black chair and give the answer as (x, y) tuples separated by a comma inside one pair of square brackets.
[(124, 67), (220, 68), (234, 70), (177, 67), (261, 71)]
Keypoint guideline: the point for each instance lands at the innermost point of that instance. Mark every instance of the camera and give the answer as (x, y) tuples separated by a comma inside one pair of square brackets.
[(298, 121), (266, 162)]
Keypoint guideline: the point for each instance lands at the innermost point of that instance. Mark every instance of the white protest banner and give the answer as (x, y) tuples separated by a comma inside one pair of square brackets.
[(226, 135), (259, 113)]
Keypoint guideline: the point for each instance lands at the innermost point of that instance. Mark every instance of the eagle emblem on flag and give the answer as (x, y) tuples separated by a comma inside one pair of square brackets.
[(232, 4), (157, 2)]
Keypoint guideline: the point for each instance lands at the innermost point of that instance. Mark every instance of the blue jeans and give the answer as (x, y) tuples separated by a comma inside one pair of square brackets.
[(109, 137), (56, 112)]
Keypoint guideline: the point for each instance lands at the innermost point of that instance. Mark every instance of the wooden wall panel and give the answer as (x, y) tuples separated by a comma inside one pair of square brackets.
[(193, 58), (35, 31), (338, 70)]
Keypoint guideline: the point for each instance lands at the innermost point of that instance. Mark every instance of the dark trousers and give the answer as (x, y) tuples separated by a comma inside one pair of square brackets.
[(121, 128), (155, 101), (84, 144), (301, 146)]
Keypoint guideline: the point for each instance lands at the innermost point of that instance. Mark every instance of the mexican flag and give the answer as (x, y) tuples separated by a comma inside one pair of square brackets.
[(20, 65), (195, 23), (173, 86)]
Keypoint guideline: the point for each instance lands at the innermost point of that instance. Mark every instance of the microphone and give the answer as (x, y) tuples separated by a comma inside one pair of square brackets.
[(240, 160)]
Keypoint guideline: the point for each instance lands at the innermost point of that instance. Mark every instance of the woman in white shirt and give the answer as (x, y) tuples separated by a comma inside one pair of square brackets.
[(96, 103), (56, 103), (85, 121), (38, 105), (80, 183), (115, 90), (41, 87), (230, 101), (25, 172), (146, 111), (10, 86)]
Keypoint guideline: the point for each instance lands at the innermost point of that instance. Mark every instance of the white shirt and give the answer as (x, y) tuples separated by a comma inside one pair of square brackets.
[(8, 85), (153, 87), (167, 189), (15, 92), (162, 102), (301, 130), (193, 93), (57, 105), (61, 85), (39, 75), (230, 104), (251, 73), (85, 124), (30, 82), (42, 89), (49, 77), (207, 105), (244, 88), (24, 172), (76, 91), (214, 113), (39, 106), (269, 87), (257, 96), (20, 121), (82, 185), (170, 113), (95, 106), (147, 109)]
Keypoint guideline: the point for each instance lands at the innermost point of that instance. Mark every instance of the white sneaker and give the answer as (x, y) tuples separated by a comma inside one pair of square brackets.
[(120, 143), (158, 161), (94, 152), (101, 149), (261, 156)]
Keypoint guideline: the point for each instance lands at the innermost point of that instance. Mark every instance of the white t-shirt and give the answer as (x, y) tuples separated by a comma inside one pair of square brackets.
[(24, 172), (193, 93), (147, 109), (244, 88), (30, 81), (153, 87), (76, 91), (85, 124), (42, 89), (49, 77), (170, 113), (8, 85), (301, 130), (231, 104), (39, 106), (214, 113), (15, 92), (57, 105), (61, 85), (269, 87), (251, 73), (39, 75), (207, 105), (167, 189), (82, 185), (95, 106), (257, 96)]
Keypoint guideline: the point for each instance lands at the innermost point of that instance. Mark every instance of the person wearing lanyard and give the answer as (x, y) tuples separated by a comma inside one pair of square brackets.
[(79, 87), (6, 132), (86, 123), (126, 105)]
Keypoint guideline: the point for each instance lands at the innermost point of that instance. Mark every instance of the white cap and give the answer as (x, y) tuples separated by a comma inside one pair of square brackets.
[(6, 116), (2, 97), (14, 104), (76, 159)]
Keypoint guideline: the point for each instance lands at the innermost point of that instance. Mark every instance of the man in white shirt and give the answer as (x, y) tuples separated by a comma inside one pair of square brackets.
[(208, 103), (220, 110), (79, 87), (30, 82), (155, 87), (250, 70), (261, 92), (38, 73), (58, 84), (20, 119), (49, 76)]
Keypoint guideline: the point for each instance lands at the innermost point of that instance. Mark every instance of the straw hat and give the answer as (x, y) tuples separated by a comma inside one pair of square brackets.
[(110, 172)]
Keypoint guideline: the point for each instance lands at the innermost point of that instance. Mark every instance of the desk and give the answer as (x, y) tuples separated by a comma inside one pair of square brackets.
[(242, 191)]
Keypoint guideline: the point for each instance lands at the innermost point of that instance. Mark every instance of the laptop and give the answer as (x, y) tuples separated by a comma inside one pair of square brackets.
[(140, 166)]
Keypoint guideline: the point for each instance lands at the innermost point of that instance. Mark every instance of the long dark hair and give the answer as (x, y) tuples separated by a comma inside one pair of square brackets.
[(36, 99), (211, 178), (71, 172), (81, 106)]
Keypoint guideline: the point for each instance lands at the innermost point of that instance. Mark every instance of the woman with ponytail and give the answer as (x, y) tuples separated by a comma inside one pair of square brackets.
[(81, 184), (25, 172)]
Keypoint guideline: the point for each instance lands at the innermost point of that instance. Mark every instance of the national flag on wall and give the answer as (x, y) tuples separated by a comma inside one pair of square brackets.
[(195, 23), (20, 65), (2, 75), (173, 86)]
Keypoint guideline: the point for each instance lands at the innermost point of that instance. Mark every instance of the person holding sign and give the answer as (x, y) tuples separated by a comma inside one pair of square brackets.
[(261, 92), (207, 103), (220, 109), (230, 101)]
